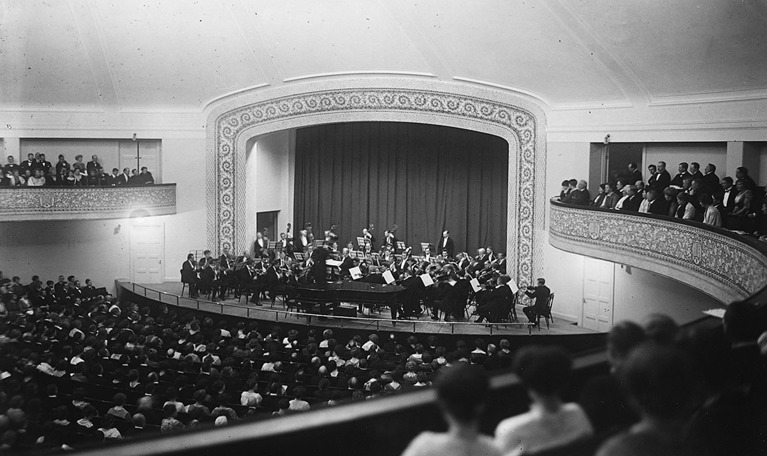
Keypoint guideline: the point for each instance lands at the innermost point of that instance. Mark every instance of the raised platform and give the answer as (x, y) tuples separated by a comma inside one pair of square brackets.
[(170, 293)]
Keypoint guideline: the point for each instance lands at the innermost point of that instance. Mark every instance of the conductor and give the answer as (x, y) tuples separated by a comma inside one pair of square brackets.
[(541, 307)]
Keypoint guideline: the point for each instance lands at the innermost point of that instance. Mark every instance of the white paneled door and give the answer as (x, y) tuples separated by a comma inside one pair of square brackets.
[(598, 280), (147, 245)]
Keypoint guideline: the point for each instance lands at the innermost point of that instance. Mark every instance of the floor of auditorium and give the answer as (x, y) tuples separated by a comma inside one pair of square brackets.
[(169, 292)]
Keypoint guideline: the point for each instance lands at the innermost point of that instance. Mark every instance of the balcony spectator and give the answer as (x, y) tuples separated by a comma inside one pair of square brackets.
[(15, 179), (52, 179), (685, 209), (78, 178), (712, 215), (634, 174), (741, 174), (669, 194), (738, 219), (124, 178), (94, 165), (664, 178), (146, 177), (678, 180), (37, 179), (652, 181), (44, 164), (630, 201), (28, 165), (78, 164), (134, 180), (62, 164), (597, 202), (611, 196), (11, 166), (563, 192), (656, 204), (711, 180), (579, 196), (695, 171)]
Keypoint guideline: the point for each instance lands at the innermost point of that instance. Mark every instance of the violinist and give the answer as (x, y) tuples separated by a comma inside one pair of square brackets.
[(347, 262)]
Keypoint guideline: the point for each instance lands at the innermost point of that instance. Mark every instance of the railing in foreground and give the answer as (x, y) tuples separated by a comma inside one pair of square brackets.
[(244, 311), (718, 262)]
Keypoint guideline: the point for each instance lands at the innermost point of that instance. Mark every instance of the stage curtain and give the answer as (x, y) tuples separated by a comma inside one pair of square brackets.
[(422, 178)]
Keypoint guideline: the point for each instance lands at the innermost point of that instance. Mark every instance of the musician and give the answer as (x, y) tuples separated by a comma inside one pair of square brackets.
[(260, 245), (410, 297), (301, 242), (390, 241), (462, 261), (500, 263), (347, 262), (541, 307), (266, 282), (309, 234), (427, 255), (494, 304), (286, 243), (207, 274), (316, 263), (244, 273), (189, 275), (369, 239), (446, 244), (330, 235)]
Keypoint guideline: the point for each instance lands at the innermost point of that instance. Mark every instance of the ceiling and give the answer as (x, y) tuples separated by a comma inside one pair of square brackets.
[(131, 55)]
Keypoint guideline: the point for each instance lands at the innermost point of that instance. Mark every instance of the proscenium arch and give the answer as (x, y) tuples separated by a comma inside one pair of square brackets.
[(512, 117)]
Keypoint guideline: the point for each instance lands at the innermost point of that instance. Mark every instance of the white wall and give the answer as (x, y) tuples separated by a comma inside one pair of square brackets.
[(564, 271), (639, 293), (674, 153), (269, 177)]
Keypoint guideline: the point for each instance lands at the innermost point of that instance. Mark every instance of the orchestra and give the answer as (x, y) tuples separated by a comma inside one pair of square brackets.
[(279, 268)]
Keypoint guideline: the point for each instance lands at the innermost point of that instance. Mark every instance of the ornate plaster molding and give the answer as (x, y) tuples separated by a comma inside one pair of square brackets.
[(514, 118), (707, 259), (56, 203)]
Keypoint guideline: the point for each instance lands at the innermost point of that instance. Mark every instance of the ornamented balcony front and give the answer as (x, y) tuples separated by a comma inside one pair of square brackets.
[(77, 203), (722, 264)]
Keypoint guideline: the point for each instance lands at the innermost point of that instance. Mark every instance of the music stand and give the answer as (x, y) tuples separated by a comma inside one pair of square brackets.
[(424, 246), (318, 243), (298, 256), (360, 242), (401, 245)]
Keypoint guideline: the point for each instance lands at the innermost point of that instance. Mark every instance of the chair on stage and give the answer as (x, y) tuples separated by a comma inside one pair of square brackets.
[(546, 316)]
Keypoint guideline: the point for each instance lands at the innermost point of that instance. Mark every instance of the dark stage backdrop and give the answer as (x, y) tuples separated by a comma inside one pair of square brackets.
[(423, 178)]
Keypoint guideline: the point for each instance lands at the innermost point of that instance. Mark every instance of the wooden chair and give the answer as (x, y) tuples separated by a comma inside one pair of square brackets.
[(547, 316)]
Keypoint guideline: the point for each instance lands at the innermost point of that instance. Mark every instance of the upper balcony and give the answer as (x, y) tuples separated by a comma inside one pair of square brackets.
[(720, 263), (77, 203)]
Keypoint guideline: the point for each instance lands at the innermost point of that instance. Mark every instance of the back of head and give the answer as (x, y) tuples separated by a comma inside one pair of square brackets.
[(545, 370), (657, 377), (623, 337), (661, 328), (461, 390), (742, 322)]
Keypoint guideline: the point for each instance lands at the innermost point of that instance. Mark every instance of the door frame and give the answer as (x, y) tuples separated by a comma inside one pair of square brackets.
[(132, 238)]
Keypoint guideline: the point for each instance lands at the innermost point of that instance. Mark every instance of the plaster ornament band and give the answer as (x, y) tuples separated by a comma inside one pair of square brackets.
[(226, 206)]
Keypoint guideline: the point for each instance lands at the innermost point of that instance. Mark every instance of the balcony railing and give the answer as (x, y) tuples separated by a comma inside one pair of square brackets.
[(75, 203), (722, 264)]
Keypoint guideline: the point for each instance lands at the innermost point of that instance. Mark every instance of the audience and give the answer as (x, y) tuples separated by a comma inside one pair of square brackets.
[(36, 171)]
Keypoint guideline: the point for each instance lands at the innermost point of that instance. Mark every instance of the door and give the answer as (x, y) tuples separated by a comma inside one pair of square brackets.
[(137, 154), (598, 279), (619, 155), (268, 221), (147, 244)]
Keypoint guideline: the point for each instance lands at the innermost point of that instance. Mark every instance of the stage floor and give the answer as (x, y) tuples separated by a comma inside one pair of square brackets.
[(169, 292)]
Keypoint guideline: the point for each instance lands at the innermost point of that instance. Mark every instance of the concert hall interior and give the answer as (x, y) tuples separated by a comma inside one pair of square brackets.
[(348, 120)]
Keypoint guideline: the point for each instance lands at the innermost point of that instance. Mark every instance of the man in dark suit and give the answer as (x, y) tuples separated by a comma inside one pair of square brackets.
[(634, 174), (657, 205), (728, 195), (580, 196), (711, 181), (94, 165), (346, 263), (664, 178), (29, 164), (541, 294), (695, 171), (494, 304), (678, 180), (189, 275), (632, 201), (446, 244), (11, 166)]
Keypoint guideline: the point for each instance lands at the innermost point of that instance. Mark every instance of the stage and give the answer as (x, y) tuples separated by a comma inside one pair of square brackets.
[(170, 293)]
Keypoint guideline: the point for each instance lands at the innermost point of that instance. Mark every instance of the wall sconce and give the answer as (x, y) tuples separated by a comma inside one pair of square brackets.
[(607, 139)]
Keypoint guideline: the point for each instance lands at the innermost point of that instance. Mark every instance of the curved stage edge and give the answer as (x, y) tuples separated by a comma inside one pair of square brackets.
[(575, 338)]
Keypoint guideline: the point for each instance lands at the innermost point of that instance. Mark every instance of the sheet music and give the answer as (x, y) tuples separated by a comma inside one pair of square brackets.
[(427, 280), (475, 285), (355, 272), (388, 277), (299, 256), (513, 285), (331, 262)]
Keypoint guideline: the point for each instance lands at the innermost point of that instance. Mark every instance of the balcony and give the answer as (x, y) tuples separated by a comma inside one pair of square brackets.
[(720, 263), (77, 203)]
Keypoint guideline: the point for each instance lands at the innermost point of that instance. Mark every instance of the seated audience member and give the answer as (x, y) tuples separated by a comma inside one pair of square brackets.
[(145, 177), (15, 179), (550, 423), (658, 381), (563, 193), (711, 181), (37, 179), (597, 202), (711, 213), (78, 178), (656, 205), (741, 175), (737, 219), (461, 390), (602, 398), (62, 164), (652, 180), (660, 329), (678, 181), (611, 196), (580, 195), (685, 209), (78, 164)]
